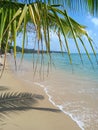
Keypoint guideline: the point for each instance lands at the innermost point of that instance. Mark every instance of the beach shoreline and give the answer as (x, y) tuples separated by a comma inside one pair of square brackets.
[(44, 116)]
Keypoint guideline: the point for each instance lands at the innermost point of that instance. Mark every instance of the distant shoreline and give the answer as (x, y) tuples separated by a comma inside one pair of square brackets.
[(26, 50)]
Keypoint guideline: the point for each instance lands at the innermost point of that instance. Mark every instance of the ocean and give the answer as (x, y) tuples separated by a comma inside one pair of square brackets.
[(71, 88)]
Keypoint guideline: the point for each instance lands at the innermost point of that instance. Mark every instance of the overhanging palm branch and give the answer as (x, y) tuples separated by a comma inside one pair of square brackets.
[(81, 5), (15, 16), (74, 5)]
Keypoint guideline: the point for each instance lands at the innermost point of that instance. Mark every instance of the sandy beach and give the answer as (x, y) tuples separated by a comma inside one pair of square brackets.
[(42, 116)]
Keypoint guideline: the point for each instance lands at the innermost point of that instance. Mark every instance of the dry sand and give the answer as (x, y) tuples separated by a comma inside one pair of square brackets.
[(42, 116)]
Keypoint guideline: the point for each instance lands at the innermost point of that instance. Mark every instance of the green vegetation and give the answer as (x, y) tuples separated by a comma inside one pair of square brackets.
[(26, 50)]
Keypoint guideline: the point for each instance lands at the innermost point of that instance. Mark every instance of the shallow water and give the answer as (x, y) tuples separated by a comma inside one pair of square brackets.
[(72, 88)]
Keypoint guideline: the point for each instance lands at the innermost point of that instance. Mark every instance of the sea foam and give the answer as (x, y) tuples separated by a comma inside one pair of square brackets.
[(79, 123)]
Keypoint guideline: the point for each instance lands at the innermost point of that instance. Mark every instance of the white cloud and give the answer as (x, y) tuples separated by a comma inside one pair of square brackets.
[(95, 21)]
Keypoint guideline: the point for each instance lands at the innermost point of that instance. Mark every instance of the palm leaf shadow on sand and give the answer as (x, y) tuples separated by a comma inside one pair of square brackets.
[(17, 101)]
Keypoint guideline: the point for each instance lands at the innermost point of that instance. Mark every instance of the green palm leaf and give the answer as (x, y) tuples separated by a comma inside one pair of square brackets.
[(44, 17)]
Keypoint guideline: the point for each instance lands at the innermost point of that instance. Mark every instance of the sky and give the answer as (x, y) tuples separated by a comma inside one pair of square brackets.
[(86, 19), (91, 24)]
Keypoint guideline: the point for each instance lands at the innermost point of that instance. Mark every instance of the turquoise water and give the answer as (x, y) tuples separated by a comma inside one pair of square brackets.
[(71, 88), (61, 62)]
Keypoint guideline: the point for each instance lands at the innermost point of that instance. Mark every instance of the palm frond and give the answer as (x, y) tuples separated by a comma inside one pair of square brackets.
[(77, 5), (44, 17)]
